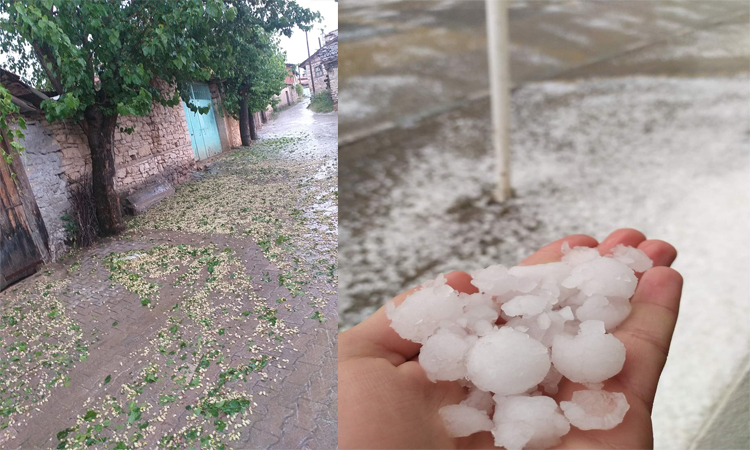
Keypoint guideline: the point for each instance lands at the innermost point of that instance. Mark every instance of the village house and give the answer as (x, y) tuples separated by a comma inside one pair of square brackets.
[(304, 81), (288, 96), (323, 67), (162, 149)]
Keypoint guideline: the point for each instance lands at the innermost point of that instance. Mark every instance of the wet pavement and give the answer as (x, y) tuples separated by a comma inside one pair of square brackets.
[(322, 130), (625, 114), (210, 323)]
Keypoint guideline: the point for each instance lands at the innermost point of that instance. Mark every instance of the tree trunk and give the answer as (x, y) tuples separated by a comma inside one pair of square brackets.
[(253, 133), (100, 131), (244, 120), (263, 117)]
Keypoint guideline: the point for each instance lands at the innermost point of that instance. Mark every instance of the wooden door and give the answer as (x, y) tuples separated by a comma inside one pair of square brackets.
[(204, 131), (23, 237)]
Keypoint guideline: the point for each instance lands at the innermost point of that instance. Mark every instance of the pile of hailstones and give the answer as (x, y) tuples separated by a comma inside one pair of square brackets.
[(557, 322)]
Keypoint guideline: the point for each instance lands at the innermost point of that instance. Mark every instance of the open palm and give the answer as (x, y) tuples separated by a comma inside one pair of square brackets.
[(386, 400)]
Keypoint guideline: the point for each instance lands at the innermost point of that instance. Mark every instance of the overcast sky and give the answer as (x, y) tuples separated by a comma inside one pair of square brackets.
[(296, 50)]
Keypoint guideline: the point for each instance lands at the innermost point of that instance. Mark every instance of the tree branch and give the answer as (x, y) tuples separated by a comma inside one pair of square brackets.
[(40, 54)]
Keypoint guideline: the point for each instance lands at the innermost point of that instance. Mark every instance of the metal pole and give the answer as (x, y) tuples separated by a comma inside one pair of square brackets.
[(309, 63), (497, 48)]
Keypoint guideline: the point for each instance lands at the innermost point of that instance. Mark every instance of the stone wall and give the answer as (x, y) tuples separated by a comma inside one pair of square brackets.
[(46, 164), (57, 153), (158, 147), (333, 75), (319, 80)]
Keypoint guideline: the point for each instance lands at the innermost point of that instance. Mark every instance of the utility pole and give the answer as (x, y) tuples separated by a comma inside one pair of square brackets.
[(309, 63), (497, 48)]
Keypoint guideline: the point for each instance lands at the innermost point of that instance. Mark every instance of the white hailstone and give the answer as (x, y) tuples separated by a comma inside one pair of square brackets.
[(482, 327), (566, 313), (551, 381), (479, 399), (595, 410), (525, 305), (529, 326), (422, 312), (543, 321), (535, 327), (602, 276), (546, 278), (611, 311), (494, 280), (478, 307), (577, 299), (578, 255), (634, 258), (557, 316), (462, 420), (528, 422), (589, 357), (507, 362), (442, 356)]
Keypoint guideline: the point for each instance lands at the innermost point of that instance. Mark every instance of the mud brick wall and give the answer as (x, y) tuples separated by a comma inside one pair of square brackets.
[(283, 96)]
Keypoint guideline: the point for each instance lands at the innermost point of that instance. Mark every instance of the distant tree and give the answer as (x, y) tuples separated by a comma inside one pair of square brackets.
[(103, 58), (252, 68), (250, 88)]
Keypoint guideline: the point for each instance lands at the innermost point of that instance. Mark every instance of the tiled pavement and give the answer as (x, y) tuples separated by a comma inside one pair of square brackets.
[(293, 398), (300, 411)]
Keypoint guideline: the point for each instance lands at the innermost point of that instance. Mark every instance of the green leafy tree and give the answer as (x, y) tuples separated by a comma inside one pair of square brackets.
[(253, 69), (104, 59), (9, 116), (254, 90)]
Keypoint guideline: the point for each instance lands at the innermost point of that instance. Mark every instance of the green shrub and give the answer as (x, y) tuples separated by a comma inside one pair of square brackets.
[(298, 88), (321, 102)]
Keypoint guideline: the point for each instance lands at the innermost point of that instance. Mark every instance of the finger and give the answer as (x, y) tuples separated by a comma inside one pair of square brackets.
[(375, 338), (661, 253), (647, 332), (552, 252), (626, 236)]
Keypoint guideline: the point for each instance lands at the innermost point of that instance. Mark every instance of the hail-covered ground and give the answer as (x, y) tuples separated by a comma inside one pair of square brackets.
[(667, 156), (207, 324)]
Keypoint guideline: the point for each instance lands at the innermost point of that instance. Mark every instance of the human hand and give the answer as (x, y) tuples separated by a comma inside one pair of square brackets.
[(386, 400)]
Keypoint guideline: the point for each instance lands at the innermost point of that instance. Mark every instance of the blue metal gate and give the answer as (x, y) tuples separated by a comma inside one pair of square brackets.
[(204, 133)]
